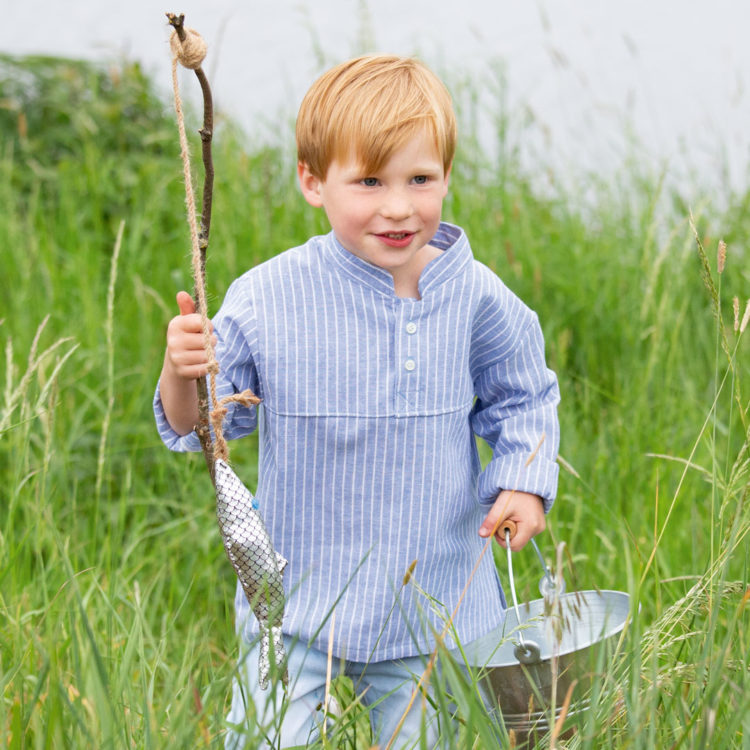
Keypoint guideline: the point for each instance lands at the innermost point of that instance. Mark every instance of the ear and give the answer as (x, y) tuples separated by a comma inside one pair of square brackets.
[(310, 185)]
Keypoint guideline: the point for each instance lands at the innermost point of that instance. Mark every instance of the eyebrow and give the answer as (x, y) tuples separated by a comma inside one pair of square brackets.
[(423, 169)]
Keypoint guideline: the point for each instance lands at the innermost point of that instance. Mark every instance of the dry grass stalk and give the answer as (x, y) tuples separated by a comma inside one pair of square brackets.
[(109, 333), (736, 310), (16, 394), (563, 714), (424, 680)]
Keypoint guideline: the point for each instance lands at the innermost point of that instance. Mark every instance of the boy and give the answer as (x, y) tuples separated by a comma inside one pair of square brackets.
[(379, 351)]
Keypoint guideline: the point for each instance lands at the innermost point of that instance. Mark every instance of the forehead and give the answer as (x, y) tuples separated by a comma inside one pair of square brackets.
[(417, 150)]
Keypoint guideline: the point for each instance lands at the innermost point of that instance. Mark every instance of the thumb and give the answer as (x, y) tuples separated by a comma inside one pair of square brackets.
[(498, 512), (491, 521), (185, 303)]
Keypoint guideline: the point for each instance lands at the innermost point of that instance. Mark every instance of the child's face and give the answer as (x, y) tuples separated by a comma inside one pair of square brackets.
[(388, 217)]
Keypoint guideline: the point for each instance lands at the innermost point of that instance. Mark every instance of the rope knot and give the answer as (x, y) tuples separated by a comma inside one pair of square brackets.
[(192, 52), (218, 414)]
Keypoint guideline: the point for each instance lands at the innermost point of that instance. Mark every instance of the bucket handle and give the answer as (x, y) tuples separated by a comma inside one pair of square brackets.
[(549, 586), (527, 651)]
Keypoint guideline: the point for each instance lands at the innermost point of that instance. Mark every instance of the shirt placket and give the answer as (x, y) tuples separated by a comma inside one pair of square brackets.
[(408, 376)]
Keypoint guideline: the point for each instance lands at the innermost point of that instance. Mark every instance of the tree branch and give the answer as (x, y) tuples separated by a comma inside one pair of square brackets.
[(178, 22), (206, 132)]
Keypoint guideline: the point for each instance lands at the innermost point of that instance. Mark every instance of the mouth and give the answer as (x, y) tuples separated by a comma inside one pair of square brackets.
[(395, 239)]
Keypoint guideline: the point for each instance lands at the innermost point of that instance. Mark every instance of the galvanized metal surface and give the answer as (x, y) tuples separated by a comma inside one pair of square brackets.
[(543, 649), (574, 630)]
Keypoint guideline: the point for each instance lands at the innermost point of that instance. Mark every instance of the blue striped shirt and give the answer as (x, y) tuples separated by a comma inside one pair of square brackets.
[(368, 458)]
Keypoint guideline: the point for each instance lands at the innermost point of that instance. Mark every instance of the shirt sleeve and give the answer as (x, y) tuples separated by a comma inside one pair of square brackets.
[(236, 333), (515, 410)]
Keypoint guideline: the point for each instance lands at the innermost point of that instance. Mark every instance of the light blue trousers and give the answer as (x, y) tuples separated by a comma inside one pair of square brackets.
[(272, 719)]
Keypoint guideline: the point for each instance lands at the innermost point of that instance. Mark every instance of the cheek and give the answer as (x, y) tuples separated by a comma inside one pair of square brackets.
[(434, 206), (355, 213)]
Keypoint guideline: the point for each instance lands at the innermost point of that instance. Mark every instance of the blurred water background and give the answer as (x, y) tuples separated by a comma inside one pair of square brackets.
[(587, 84)]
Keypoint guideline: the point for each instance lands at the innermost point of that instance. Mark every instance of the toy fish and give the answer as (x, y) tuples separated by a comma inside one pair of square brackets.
[(258, 566)]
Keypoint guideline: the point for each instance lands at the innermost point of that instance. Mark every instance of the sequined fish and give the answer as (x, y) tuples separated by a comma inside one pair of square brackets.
[(258, 566)]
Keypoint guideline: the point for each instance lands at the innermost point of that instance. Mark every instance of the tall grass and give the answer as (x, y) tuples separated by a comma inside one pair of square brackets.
[(115, 596)]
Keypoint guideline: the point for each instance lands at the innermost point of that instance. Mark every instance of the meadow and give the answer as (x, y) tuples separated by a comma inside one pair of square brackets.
[(116, 616)]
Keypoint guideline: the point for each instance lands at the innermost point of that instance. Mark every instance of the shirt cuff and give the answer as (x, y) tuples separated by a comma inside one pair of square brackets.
[(539, 477)]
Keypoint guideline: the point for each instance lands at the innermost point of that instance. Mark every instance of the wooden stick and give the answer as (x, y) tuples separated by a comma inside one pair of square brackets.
[(202, 429)]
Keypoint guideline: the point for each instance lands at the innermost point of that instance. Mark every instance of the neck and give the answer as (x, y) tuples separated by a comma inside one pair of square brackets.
[(406, 280)]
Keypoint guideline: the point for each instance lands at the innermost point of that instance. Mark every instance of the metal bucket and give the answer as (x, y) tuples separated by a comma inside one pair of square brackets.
[(543, 647)]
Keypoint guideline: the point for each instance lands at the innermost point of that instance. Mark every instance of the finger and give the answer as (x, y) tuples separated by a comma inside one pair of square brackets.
[(185, 303), (491, 521), (500, 510), (190, 364), (184, 336), (526, 531), (517, 542), (189, 358), (488, 524), (193, 372)]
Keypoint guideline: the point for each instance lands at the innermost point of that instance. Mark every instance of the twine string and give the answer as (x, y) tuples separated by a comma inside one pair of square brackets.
[(191, 53)]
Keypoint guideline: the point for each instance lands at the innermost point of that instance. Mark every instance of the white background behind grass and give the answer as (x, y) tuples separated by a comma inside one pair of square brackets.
[(673, 73)]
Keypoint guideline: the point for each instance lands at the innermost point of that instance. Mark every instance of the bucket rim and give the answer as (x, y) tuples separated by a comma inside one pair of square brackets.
[(470, 653)]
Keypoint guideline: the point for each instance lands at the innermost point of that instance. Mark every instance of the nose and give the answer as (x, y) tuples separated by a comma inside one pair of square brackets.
[(397, 205)]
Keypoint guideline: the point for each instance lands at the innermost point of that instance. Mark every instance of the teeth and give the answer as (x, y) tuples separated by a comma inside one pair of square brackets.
[(396, 235)]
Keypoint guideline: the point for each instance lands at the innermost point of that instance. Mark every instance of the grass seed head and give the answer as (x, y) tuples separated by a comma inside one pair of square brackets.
[(409, 571), (721, 256), (745, 317)]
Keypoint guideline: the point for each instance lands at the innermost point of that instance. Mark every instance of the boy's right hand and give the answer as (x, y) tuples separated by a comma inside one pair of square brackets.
[(186, 354)]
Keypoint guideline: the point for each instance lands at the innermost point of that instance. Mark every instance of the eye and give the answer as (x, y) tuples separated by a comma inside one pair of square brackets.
[(420, 179), (370, 181)]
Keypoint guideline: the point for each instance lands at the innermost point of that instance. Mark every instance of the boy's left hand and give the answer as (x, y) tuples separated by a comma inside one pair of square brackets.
[(525, 509)]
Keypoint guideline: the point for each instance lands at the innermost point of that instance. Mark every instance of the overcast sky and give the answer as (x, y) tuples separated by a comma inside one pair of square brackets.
[(673, 70)]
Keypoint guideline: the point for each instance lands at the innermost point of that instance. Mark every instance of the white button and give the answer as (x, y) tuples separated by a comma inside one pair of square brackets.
[(411, 327), (410, 364)]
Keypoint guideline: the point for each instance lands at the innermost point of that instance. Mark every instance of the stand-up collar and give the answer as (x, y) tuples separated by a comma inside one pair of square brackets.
[(449, 238)]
